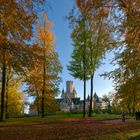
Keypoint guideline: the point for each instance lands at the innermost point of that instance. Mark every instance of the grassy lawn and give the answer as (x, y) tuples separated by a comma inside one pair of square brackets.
[(69, 126)]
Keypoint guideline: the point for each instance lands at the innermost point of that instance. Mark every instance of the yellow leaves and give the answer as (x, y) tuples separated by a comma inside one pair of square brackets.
[(49, 37), (48, 24), (15, 97), (45, 34), (87, 6), (79, 3)]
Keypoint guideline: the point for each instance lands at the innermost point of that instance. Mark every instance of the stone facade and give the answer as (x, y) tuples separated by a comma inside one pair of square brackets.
[(70, 101)]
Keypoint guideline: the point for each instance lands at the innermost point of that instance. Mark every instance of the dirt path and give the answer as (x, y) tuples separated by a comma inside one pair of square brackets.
[(115, 121)]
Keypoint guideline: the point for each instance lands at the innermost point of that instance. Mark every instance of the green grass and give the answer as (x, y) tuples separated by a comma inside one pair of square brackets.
[(68, 115), (63, 116), (109, 116)]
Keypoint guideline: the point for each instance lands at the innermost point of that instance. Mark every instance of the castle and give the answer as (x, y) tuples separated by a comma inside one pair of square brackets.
[(70, 101)]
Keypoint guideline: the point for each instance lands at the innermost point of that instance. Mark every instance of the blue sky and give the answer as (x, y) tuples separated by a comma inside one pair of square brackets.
[(57, 13)]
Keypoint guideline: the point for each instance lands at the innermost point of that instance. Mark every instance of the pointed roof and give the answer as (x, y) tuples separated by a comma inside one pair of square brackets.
[(95, 95), (63, 90), (96, 98), (88, 98)]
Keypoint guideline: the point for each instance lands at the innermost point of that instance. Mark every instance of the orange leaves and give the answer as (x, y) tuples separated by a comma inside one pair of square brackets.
[(131, 22), (79, 3), (48, 24), (45, 34), (49, 37), (102, 12), (87, 6)]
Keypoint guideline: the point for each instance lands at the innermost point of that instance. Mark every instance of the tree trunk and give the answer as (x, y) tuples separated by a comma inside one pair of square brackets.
[(91, 99), (43, 91), (6, 102), (37, 96), (129, 110), (134, 104), (44, 80), (84, 65), (3, 86), (84, 75), (84, 107)]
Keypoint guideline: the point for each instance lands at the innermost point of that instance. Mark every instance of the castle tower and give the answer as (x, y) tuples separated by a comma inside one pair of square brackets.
[(69, 87)]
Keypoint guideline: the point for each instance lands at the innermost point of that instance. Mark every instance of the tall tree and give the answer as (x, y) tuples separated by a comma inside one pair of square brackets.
[(128, 60), (79, 63), (100, 40), (79, 32), (16, 20), (92, 38), (34, 79), (126, 75), (50, 66)]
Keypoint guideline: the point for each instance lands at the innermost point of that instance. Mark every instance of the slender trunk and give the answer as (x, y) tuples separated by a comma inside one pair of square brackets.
[(92, 76), (44, 78), (3, 86), (37, 96), (91, 95), (134, 89), (6, 102), (84, 65), (93, 64), (129, 110), (84, 108), (134, 104), (109, 107), (84, 75), (43, 91)]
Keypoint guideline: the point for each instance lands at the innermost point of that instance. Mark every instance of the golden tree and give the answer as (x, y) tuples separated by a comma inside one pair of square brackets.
[(43, 78), (16, 20)]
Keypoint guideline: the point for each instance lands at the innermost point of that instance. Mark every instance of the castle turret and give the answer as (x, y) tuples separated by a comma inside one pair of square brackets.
[(74, 94), (63, 94), (88, 98)]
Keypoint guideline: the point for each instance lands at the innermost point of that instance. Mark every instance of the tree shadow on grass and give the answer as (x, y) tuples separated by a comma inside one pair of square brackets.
[(135, 138)]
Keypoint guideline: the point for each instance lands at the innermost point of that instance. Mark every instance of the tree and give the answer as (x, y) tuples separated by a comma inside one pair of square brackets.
[(107, 101), (130, 31), (92, 38), (50, 104), (100, 41), (14, 100), (16, 20), (126, 76), (44, 75), (78, 66)]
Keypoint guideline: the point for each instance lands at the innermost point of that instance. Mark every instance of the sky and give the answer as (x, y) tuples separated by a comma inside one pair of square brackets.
[(57, 12)]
